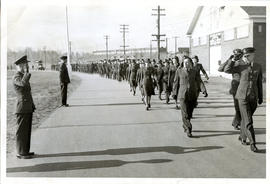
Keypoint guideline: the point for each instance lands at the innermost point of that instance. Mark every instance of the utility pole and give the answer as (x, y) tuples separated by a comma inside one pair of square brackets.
[(175, 44), (158, 35), (151, 49), (106, 37), (167, 44), (124, 30), (70, 53)]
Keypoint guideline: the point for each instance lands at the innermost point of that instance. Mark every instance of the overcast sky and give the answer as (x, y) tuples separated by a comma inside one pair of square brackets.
[(36, 26)]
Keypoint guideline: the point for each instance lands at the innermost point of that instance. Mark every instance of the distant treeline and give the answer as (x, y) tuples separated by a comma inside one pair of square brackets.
[(50, 57)]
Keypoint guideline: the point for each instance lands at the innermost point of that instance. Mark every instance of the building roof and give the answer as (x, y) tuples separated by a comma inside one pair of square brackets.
[(255, 10), (252, 11), (194, 20)]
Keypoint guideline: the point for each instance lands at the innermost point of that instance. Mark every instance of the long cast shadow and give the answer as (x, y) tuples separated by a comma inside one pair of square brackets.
[(109, 124), (110, 104), (65, 166), (221, 106), (137, 150), (220, 115), (222, 133)]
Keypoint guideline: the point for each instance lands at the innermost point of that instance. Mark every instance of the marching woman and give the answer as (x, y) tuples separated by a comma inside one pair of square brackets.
[(133, 74), (166, 69), (148, 83), (172, 70), (198, 67), (139, 79), (185, 86)]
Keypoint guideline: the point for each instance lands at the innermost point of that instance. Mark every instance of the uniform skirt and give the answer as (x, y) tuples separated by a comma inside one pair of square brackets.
[(148, 87)]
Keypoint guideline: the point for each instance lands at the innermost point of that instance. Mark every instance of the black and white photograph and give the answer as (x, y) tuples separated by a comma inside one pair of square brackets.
[(134, 91)]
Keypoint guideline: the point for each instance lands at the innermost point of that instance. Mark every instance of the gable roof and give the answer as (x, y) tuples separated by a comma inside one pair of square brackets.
[(252, 11), (194, 20)]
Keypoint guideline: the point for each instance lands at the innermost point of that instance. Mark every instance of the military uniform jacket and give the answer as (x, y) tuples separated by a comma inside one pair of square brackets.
[(140, 76), (25, 103), (185, 86), (64, 77), (166, 73), (250, 79), (160, 74), (198, 67)]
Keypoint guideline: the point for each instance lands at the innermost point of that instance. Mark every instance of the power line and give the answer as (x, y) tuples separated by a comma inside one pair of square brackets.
[(124, 30), (158, 35)]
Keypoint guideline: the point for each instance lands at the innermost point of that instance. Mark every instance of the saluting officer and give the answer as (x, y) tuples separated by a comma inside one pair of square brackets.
[(249, 92), (237, 54), (64, 80), (24, 108)]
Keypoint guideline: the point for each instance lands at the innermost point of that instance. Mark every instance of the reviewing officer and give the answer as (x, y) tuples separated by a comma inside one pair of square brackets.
[(64, 80), (249, 92), (24, 108), (237, 54)]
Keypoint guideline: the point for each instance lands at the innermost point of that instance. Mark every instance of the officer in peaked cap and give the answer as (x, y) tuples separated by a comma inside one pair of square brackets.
[(24, 108), (237, 54), (249, 92), (64, 80)]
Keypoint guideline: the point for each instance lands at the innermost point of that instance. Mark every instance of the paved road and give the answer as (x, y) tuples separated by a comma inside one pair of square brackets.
[(106, 132)]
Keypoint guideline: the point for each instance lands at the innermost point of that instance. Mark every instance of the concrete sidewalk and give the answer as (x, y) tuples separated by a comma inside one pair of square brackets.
[(106, 132)]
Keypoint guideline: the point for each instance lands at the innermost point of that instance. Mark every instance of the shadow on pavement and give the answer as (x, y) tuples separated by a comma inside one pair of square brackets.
[(137, 150), (220, 106), (222, 133), (111, 104), (220, 115), (64, 166), (109, 124)]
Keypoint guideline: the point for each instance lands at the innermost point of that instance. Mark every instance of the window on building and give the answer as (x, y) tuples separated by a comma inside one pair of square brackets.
[(242, 31), (228, 34), (195, 41), (260, 28), (203, 40)]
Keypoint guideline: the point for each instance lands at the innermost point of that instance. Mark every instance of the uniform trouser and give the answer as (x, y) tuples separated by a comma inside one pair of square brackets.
[(187, 107), (237, 117), (160, 87), (166, 89), (23, 133), (64, 93), (247, 108)]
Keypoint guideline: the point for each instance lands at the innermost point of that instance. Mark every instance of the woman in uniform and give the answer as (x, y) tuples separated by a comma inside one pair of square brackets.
[(133, 74), (148, 84), (172, 70)]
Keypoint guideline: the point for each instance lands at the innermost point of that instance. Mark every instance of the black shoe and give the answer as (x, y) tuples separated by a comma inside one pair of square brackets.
[(253, 148), (64, 105), (243, 142), (189, 134), (149, 105), (147, 108), (24, 156), (236, 127), (31, 153)]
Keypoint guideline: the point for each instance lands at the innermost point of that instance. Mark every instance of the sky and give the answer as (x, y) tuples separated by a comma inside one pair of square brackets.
[(44, 25)]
